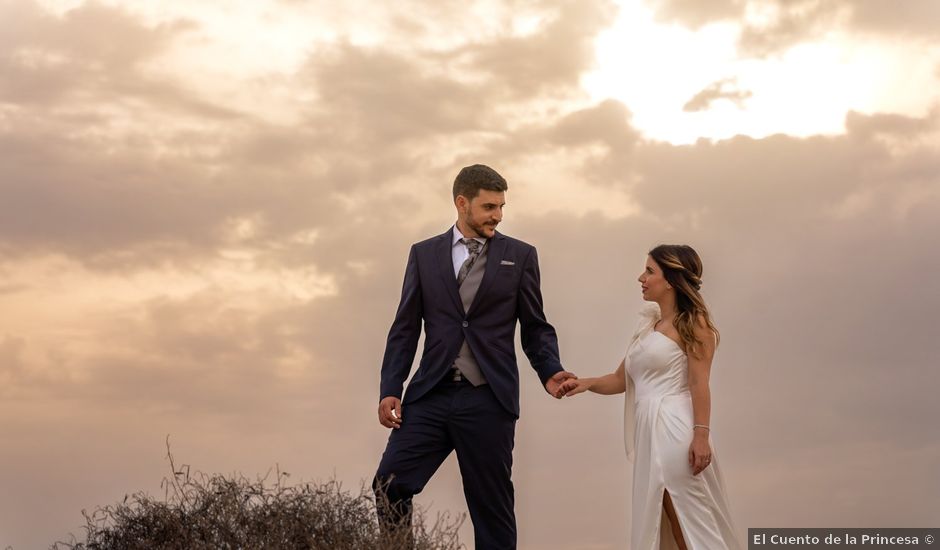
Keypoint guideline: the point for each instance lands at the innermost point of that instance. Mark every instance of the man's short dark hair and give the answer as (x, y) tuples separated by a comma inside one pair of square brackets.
[(479, 176)]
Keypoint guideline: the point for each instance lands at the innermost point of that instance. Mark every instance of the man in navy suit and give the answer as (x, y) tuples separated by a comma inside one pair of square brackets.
[(469, 287)]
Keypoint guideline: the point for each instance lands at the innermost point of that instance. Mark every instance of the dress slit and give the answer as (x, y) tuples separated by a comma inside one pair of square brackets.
[(672, 542), (667, 541)]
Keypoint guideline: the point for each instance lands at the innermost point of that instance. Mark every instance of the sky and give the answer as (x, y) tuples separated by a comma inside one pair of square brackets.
[(206, 208)]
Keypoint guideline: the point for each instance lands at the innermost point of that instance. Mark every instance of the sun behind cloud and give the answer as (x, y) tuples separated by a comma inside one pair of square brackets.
[(657, 67)]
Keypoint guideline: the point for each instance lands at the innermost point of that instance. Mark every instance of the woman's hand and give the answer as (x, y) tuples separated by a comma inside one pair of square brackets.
[(574, 387), (700, 452)]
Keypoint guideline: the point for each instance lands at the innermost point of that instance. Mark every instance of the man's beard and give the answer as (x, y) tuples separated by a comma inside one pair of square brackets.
[(479, 228), (476, 227)]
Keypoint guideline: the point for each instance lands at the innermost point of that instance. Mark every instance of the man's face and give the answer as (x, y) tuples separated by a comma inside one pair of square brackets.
[(483, 213)]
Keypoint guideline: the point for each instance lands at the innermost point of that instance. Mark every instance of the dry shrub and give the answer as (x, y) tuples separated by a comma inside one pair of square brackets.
[(203, 512)]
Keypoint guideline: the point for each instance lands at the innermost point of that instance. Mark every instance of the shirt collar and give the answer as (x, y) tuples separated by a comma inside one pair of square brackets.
[(458, 236)]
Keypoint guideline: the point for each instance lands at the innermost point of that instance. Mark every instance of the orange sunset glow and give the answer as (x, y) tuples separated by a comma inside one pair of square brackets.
[(206, 208)]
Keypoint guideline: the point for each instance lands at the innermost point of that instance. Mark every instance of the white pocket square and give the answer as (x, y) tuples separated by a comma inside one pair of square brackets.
[(506, 262)]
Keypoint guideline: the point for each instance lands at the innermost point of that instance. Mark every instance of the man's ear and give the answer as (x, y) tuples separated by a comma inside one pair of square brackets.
[(461, 202)]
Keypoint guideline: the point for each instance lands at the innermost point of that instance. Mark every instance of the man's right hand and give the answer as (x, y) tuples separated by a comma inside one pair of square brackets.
[(390, 412)]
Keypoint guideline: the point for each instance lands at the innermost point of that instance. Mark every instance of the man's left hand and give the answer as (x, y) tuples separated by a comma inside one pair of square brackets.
[(554, 385)]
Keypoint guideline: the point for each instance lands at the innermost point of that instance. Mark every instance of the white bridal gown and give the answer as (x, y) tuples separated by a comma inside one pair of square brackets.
[(657, 435)]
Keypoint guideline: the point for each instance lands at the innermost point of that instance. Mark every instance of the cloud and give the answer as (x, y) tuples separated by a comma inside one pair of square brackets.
[(556, 55), (79, 147), (116, 191), (790, 24), (920, 18), (722, 89), (868, 126), (607, 122), (772, 26), (695, 14), (174, 262), (51, 60)]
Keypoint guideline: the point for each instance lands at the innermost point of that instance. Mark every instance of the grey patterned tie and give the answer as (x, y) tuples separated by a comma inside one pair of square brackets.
[(474, 247)]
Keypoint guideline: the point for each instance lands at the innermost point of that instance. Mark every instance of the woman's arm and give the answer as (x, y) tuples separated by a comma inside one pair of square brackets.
[(609, 384), (700, 365)]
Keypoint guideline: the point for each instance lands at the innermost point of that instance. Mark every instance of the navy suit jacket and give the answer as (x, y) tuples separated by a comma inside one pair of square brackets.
[(509, 292)]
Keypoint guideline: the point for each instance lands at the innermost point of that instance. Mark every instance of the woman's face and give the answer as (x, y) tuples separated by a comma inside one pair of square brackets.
[(653, 282)]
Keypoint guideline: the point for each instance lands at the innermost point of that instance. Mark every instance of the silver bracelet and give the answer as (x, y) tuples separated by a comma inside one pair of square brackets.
[(701, 426)]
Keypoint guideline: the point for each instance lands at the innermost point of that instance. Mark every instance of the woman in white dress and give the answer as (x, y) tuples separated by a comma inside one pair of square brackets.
[(679, 499)]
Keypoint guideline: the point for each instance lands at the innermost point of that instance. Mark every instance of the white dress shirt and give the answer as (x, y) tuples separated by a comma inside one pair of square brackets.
[(459, 250)]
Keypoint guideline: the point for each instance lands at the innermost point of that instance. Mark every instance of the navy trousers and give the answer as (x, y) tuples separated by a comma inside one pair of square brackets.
[(454, 416)]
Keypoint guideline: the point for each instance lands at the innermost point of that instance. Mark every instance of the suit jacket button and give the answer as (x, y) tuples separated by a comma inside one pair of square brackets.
[(466, 324)]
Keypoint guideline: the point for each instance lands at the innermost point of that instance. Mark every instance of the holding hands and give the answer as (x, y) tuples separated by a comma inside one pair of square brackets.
[(555, 385), (609, 384), (573, 387)]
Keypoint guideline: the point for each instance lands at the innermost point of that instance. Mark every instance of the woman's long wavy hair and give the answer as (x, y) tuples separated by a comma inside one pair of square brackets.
[(682, 269)]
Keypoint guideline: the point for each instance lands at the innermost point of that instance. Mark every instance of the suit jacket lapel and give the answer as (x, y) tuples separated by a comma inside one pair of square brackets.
[(445, 258), (494, 255)]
